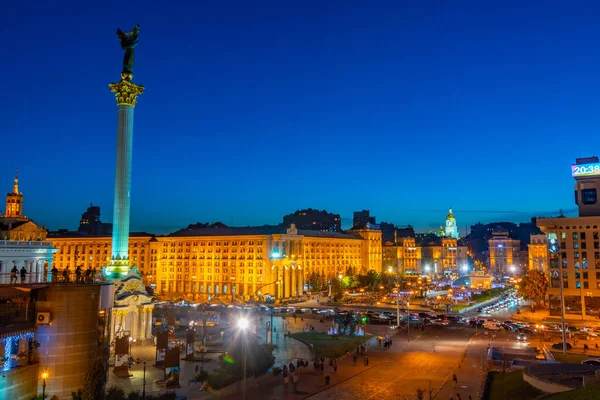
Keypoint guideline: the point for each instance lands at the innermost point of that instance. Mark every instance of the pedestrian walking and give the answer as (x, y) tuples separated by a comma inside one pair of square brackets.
[(458, 396), (455, 379), (286, 381), (335, 366), (366, 361), (327, 379), (354, 360), (295, 380), (197, 368)]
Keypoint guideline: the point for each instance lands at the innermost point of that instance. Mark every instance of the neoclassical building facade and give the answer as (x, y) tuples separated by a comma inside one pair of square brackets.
[(233, 261), (22, 242)]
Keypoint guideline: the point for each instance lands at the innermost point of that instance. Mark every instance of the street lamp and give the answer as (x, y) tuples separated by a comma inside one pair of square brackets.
[(44, 376), (232, 284), (131, 341), (408, 321), (243, 325)]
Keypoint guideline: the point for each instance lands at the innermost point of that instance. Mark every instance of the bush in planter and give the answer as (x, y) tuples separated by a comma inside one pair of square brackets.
[(200, 376)]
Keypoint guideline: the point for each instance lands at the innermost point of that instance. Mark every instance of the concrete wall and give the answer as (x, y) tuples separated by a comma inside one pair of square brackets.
[(20, 383), (70, 343)]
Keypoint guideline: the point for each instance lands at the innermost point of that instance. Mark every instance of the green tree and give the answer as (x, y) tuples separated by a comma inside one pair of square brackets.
[(316, 281), (534, 286)]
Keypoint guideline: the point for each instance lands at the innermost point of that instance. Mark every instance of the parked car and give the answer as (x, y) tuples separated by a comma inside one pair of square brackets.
[(592, 361), (559, 346)]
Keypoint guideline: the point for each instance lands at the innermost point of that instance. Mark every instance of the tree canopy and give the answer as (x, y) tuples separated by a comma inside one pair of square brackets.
[(534, 286)]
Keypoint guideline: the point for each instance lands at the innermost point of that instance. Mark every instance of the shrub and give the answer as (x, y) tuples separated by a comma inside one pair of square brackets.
[(115, 393)]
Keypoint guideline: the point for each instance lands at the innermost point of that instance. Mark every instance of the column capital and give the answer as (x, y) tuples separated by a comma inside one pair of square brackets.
[(126, 92)]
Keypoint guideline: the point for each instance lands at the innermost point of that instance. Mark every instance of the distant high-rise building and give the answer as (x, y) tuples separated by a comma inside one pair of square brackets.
[(586, 172), (90, 223), (572, 248), (314, 220), (362, 218)]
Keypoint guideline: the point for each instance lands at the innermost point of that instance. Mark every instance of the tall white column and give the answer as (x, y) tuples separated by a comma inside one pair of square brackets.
[(126, 94)]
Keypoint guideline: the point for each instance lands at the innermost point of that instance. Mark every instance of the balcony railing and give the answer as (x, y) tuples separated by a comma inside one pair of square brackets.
[(26, 243), (70, 279)]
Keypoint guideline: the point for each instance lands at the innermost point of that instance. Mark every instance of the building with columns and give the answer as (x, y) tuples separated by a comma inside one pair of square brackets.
[(22, 242), (222, 262), (265, 260), (132, 310), (94, 252)]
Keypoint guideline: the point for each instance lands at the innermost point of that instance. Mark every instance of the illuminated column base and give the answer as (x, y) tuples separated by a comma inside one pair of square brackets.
[(117, 269)]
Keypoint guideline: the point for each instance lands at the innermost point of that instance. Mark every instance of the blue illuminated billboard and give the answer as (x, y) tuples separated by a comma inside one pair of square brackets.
[(585, 170)]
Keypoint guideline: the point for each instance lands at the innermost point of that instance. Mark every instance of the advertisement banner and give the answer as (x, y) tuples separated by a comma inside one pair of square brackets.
[(160, 356), (121, 360), (172, 375), (191, 338)]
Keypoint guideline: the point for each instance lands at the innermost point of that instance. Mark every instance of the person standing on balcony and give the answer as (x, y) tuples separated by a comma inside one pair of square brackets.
[(23, 274), (13, 274)]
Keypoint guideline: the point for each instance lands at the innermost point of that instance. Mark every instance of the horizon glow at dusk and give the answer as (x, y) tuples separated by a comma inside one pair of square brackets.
[(254, 111)]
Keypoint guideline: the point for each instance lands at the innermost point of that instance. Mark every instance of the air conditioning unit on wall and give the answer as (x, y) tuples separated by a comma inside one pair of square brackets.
[(43, 318)]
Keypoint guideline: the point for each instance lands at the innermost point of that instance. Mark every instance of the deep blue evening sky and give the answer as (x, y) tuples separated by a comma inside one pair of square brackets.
[(255, 109)]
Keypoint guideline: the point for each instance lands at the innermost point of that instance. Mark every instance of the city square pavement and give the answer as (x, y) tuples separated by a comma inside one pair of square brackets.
[(427, 362), (288, 350)]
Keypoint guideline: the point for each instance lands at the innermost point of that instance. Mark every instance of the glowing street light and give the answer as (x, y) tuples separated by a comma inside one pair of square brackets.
[(243, 325), (44, 377)]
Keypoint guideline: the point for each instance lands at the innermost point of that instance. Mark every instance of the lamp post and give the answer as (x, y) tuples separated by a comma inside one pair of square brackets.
[(243, 325), (232, 290), (131, 341), (397, 308), (44, 376), (408, 321), (144, 383)]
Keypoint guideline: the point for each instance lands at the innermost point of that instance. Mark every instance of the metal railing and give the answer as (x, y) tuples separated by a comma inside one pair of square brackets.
[(26, 243), (8, 278)]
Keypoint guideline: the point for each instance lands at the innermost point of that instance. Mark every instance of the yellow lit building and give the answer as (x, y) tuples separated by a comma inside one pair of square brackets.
[(94, 252), (505, 253), (537, 251), (479, 280), (442, 255), (403, 257), (222, 262)]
